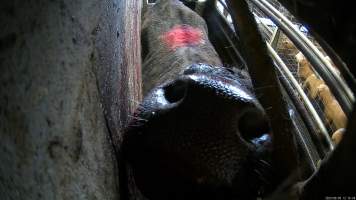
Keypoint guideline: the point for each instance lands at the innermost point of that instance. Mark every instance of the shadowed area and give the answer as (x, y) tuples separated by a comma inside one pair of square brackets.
[(187, 142)]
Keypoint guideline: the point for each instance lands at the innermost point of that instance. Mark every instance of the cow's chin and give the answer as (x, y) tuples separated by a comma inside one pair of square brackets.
[(202, 135)]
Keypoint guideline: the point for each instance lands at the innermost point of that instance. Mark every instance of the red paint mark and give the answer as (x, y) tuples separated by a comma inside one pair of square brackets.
[(182, 36)]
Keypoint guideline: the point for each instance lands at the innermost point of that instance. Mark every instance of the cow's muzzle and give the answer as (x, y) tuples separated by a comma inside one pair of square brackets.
[(203, 131)]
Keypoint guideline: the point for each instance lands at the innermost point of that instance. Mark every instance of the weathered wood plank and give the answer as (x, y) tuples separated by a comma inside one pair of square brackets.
[(119, 75)]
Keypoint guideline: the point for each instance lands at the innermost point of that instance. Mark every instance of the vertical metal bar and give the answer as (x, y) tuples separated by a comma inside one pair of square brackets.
[(274, 39), (266, 86)]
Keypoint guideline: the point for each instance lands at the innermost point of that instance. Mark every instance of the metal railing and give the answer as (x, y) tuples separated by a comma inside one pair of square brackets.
[(337, 85), (286, 72)]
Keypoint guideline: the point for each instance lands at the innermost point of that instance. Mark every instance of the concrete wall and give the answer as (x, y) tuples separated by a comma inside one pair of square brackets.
[(67, 84)]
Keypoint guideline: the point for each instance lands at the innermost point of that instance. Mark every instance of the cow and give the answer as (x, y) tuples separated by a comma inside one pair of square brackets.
[(200, 132), (319, 90), (332, 108), (304, 68)]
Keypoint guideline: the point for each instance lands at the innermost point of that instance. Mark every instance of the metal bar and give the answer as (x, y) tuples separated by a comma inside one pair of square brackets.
[(265, 81), (305, 146), (341, 65), (270, 32), (340, 166), (300, 91), (227, 30), (274, 39), (312, 130), (311, 123), (317, 64), (314, 49)]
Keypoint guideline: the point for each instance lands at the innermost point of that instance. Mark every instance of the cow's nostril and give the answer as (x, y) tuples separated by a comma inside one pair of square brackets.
[(176, 91), (253, 124)]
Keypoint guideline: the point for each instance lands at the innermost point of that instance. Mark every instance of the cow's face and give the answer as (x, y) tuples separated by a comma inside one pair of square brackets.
[(202, 135)]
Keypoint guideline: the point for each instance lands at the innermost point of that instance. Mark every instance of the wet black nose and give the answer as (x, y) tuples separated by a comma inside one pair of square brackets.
[(175, 91), (197, 134), (210, 96)]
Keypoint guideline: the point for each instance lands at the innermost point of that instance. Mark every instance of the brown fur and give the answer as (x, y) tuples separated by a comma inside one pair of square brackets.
[(288, 47), (338, 135), (304, 67), (158, 60), (311, 84), (318, 89), (332, 108)]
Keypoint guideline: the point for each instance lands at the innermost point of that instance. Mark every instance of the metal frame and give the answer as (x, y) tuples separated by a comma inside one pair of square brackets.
[(286, 72), (338, 87), (318, 140)]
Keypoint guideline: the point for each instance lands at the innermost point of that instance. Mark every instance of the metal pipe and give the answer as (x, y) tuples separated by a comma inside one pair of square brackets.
[(274, 39), (312, 130), (305, 146), (270, 32), (340, 166), (339, 93), (300, 91), (314, 49), (311, 123)]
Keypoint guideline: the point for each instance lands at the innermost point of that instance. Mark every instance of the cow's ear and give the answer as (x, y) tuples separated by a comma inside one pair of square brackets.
[(337, 175)]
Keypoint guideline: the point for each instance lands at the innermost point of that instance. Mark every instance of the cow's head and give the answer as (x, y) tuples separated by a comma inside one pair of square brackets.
[(202, 135)]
